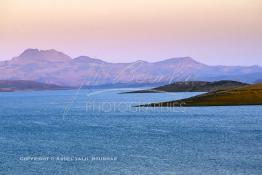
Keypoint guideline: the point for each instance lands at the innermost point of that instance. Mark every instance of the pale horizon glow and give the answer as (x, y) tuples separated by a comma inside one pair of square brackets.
[(215, 32)]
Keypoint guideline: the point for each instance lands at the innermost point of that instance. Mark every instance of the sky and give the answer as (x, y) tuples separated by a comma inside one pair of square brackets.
[(215, 32)]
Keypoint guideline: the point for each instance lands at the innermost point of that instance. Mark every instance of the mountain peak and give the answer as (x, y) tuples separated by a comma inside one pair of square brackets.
[(86, 59), (178, 60), (29, 52), (43, 55)]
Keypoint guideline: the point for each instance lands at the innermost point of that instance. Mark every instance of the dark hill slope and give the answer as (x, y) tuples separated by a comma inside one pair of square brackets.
[(194, 86)]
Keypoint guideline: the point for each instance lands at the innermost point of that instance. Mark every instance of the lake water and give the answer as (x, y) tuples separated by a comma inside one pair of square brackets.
[(99, 132)]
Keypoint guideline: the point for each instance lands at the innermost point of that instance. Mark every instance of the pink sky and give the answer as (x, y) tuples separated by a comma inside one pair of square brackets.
[(225, 32)]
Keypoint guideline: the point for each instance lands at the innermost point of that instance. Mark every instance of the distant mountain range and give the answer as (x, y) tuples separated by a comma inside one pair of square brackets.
[(26, 85), (53, 67)]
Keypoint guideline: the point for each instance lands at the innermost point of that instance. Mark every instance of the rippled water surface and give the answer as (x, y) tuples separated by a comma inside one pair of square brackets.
[(100, 132)]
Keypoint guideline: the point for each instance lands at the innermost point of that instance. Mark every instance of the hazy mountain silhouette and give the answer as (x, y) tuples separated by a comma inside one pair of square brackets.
[(51, 66), (26, 85)]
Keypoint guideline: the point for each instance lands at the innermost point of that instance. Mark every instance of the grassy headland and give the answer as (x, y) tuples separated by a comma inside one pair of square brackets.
[(246, 95), (194, 86)]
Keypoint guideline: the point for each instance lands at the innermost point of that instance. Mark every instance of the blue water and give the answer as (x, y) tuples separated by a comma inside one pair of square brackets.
[(96, 125)]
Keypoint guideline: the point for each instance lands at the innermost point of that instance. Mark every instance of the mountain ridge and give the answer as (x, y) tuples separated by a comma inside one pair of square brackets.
[(51, 66)]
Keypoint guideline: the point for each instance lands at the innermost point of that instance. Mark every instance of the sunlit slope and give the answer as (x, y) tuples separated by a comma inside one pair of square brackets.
[(246, 95)]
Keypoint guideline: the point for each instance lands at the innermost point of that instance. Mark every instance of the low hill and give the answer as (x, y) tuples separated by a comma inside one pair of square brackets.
[(26, 85), (194, 86), (246, 95)]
